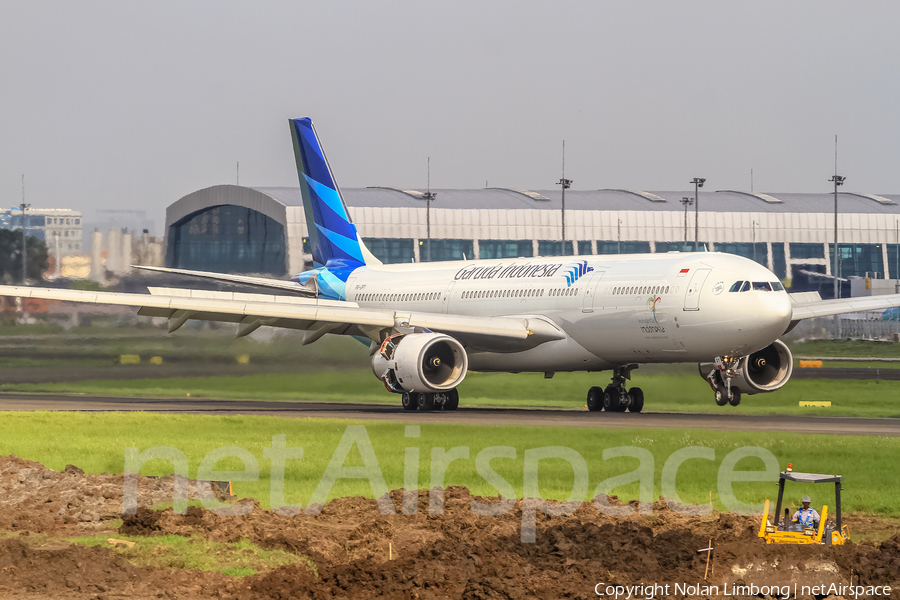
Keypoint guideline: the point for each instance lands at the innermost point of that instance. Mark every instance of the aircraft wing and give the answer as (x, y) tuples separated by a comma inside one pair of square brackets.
[(825, 308), (276, 284), (315, 317)]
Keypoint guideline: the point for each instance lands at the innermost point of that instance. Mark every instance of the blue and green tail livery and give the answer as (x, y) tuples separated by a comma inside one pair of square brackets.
[(337, 249), (334, 236)]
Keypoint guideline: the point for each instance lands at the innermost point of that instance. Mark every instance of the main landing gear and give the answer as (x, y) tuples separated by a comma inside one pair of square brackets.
[(615, 398), (719, 379), (448, 400)]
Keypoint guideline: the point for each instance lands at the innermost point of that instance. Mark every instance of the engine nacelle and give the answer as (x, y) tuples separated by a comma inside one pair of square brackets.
[(420, 362), (763, 371)]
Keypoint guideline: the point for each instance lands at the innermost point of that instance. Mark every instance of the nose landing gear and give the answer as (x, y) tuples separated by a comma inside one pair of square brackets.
[(615, 398), (719, 379)]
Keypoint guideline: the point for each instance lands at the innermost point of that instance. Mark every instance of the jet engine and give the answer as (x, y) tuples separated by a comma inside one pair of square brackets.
[(763, 371), (420, 362)]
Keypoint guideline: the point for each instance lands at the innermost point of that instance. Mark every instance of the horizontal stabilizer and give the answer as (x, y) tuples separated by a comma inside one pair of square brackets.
[(310, 289)]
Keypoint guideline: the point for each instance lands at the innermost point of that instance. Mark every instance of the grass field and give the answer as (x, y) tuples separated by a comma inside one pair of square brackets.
[(237, 559), (48, 343), (98, 442), (671, 389), (848, 348), (874, 366)]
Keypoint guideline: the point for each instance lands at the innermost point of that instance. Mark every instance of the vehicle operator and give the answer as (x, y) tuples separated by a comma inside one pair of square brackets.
[(807, 516)]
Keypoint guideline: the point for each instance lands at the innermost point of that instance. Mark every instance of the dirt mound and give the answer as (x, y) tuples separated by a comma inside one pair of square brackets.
[(65, 569), (74, 571), (878, 564), (40, 500), (417, 552)]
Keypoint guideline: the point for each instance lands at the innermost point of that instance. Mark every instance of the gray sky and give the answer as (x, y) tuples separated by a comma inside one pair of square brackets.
[(133, 105)]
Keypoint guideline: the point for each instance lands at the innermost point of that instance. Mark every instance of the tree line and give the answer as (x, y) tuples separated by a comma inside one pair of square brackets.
[(37, 259)]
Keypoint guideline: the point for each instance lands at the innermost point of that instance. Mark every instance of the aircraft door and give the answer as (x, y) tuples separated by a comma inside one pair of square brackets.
[(692, 295), (448, 293), (590, 291)]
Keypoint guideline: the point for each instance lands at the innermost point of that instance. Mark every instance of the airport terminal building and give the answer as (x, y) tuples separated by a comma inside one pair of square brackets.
[(229, 228)]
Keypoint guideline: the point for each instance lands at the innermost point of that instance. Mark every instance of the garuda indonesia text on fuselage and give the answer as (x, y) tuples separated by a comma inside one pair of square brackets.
[(428, 324)]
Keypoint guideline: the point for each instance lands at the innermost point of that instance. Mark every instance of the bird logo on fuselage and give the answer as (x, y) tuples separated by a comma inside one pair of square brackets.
[(576, 271)]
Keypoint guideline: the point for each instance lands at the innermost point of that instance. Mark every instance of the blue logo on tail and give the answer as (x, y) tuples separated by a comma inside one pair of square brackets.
[(336, 248), (332, 235), (575, 272)]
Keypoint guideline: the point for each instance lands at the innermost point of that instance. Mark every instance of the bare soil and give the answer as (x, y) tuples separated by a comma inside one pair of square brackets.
[(358, 552)]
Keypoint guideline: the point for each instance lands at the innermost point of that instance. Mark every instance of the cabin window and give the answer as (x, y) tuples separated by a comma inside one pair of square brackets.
[(776, 285), (736, 287), (745, 287), (762, 286)]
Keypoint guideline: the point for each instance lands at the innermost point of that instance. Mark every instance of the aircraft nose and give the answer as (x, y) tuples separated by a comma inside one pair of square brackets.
[(775, 310)]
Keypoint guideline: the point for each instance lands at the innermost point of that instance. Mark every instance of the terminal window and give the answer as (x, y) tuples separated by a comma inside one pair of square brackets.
[(756, 252), (623, 247), (391, 250), (807, 250), (228, 239), (446, 250), (858, 259), (505, 248)]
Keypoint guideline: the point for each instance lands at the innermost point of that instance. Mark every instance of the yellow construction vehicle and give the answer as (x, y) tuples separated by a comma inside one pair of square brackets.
[(792, 532)]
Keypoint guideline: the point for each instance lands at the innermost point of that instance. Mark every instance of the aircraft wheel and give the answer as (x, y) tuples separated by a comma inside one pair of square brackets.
[(452, 401), (721, 398), (409, 401), (735, 396), (637, 400), (611, 399), (426, 401), (595, 399)]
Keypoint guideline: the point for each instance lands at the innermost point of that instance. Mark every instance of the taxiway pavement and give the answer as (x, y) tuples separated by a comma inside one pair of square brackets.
[(465, 415)]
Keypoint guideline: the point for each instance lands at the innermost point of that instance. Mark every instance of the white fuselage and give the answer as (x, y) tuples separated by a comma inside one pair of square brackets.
[(615, 310)]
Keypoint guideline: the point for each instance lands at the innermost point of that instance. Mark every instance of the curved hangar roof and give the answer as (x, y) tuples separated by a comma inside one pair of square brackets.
[(272, 200)]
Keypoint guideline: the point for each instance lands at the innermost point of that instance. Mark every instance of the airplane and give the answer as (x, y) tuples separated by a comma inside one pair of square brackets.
[(428, 324)]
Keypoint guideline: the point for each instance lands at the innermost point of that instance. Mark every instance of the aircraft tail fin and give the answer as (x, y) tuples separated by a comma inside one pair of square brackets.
[(333, 237)]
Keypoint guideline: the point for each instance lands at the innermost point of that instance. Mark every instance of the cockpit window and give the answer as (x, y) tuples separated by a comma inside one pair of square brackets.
[(746, 286), (776, 285), (762, 286), (736, 287)]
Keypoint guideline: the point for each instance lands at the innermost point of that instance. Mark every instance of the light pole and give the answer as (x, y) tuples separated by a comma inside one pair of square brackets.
[(566, 184), (698, 183), (24, 206), (753, 239), (897, 267), (838, 180), (686, 202), (619, 243), (429, 198), (58, 269)]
